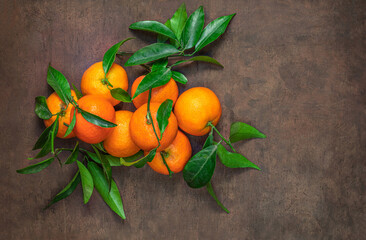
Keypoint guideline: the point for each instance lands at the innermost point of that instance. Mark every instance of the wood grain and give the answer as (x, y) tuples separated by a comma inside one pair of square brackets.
[(293, 69)]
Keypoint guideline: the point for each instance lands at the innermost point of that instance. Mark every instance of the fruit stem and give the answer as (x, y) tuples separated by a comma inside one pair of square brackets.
[(59, 160), (226, 141), (64, 149), (74, 103), (125, 53), (105, 81), (149, 117), (162, 154)]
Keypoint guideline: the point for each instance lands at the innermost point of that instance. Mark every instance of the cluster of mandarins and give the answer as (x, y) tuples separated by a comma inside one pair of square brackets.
[(193, 110)]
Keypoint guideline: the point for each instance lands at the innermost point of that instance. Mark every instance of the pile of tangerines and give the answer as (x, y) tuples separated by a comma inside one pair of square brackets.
[(193, 110), (153, 133)]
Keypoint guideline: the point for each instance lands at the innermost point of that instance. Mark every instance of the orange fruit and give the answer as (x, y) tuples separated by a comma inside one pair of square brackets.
[(195, 108), (97, 105), (119, 142), (142, 132), (159, 94), (93, 81), (176, 155), (55, 105)]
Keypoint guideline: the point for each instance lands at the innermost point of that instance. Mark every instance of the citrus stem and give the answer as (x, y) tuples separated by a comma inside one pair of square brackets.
[(74, 103), (226, 141), (59, 160), (166, 164), (64, 149), (82, 150), (105, 81), (125, 53), (149, 117)]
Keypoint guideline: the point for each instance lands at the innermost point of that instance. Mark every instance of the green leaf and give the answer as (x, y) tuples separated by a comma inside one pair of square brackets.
[(213, 195), (193, 28), (77, 92), (67, 190), (163, 114), (242, 131), (59, 83), (53, 133), (110, 55), (199, 59), (46, 140), (209, 140), (99, 146), (93, 156), (41, 108), (148, 158), (200, 168), (120, 95), (116, 161), (86, 182), (212, 31), (179, 77), (113, 161), (152, 80), (159, 64), (72, 125), (42, 140), (96, 120), (74, 154), (234, 160), (128, 161), (178, 21), (105, 164), (36, 167), (46, 149), (112, 198), (155, 27), (151, 53), (161, 38), (134, 157)]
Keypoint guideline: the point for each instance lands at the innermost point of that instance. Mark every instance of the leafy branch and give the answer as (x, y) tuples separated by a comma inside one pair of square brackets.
[(184, 34)]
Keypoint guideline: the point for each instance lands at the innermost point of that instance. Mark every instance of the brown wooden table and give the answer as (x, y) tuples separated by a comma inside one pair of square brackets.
[(293, 69)]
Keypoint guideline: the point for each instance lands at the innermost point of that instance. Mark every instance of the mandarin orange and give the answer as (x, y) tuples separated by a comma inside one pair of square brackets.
[(142, 132), (176, 155), (93, 81), (158, 94), (119, 142), (195, 108), (55, 105), (97, 105)]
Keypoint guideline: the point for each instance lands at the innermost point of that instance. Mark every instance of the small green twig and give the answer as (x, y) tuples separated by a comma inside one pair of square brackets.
[(124, 53), (59, 160), (82, 150), (166, 164), (64, 149), (149, 117), (225, 140), (74, 103)]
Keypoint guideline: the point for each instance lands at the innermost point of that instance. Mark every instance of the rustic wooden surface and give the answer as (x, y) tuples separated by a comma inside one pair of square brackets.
[(293, 69)]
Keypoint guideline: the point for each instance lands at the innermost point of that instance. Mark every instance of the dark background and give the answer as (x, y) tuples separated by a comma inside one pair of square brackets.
[(293, 69)]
